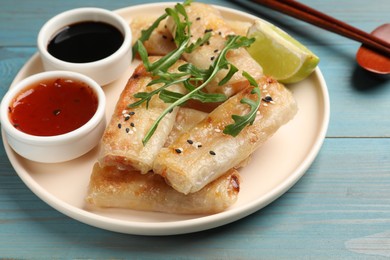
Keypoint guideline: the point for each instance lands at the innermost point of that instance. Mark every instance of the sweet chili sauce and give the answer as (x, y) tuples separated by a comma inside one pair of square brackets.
[(53, 107)]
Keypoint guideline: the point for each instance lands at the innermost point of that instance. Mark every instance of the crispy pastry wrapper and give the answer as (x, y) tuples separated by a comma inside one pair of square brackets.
[(160, 41), (186, 119), (110, 187), (121, 143), (203, 153)]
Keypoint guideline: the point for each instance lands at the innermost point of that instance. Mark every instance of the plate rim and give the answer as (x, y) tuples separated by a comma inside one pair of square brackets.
[(179, 226)]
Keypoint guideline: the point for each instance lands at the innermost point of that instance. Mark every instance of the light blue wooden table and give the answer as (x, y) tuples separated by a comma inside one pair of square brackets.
[(340, 209)]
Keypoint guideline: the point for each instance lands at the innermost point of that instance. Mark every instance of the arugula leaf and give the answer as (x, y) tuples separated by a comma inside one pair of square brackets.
[(208, 97), (145, 34), (147, 96), (140, 48), (193, 78), (195, 72), (170, 96), (229, 75), (198, 42), (182, 38), (241, 121)]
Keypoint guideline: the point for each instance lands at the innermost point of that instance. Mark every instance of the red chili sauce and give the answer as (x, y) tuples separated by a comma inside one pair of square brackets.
[(53, 107)]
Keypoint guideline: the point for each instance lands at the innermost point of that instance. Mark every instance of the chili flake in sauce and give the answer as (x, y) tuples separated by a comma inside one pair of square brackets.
[(53, 107)]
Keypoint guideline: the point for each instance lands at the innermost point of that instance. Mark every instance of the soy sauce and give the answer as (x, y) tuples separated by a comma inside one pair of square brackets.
[(85, 42)]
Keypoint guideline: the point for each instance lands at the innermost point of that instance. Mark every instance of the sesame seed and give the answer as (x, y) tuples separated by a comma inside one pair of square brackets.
[(208, 30), (190, 141), (127, 117), (212, 152), (217, 130), (212, 58), (132, 113), (267, 99), (197, 18), (132, 124), (179, 150), (124, 112), (216, 50), (56, 112), (119, 125)]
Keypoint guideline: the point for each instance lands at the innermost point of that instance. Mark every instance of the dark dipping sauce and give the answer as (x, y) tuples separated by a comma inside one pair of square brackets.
[(53, 107), (85, 42)]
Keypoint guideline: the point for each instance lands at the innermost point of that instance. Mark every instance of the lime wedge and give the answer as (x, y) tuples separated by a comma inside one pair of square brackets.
[(280, 55)]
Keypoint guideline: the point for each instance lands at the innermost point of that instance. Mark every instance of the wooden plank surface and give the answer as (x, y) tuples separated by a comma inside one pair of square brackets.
[(340, 209)]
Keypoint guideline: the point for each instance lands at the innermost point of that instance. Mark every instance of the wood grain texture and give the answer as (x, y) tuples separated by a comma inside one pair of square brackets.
[(340, 209)]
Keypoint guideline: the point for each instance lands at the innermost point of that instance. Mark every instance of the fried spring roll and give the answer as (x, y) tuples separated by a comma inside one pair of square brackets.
[(121, 144), (111, 187), (160, 41), (204, 153), (186, 118), (206, 18)]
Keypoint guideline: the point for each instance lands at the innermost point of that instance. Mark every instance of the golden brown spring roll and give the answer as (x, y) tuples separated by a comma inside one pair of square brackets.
[(204, 153), (206, 18), (110, 187), (121, 144)]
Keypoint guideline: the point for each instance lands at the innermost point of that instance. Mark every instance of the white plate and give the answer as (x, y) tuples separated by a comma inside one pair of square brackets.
[(289, 154)]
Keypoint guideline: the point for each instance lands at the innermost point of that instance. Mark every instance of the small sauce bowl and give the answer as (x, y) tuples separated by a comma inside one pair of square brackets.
[(53, 148), (105, 69)]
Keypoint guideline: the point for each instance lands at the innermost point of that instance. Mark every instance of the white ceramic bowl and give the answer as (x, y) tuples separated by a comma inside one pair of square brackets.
[(57, 148), (103, 71)]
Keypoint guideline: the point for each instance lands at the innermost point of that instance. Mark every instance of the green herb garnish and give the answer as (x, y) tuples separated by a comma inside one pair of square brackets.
[(241, 121), (193, 79)]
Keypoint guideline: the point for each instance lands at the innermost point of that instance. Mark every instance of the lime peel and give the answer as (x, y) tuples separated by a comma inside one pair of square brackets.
[(280, 55)]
